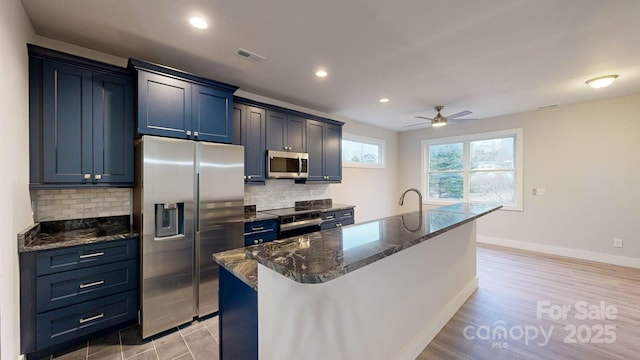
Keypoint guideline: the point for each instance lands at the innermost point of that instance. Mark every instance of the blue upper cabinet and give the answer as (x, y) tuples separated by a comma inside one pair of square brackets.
[(286, 132), (249, 130), (325, 151), (81, 121), (176, 104)]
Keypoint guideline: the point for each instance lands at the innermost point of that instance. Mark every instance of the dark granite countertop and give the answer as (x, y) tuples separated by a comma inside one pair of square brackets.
[(58, 234), (238, 264), (296, 211), (258, 216), (323, 256)]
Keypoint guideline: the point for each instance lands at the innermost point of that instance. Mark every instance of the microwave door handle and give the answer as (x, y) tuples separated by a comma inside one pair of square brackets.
[(299, 166)]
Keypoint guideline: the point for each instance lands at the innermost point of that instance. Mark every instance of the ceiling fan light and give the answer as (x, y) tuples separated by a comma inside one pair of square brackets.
[(601, 81), (439, 120)]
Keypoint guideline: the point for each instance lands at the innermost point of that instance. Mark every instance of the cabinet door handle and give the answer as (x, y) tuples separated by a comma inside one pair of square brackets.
[(249, 177), (260, 241), (86, 256), (95, 283), (255, 241), (188, 132), (84, 320), (87, 176), (98, 177), (245, 177), (195, 133), (257, 228)]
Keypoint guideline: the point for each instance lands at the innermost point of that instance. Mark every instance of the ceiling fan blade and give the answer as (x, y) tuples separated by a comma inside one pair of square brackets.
[(460, 114), (418, 124), (461, 120), (423, 117)]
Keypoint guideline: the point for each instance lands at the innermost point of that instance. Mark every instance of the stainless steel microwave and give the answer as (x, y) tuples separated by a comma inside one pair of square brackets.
[(287, 165)]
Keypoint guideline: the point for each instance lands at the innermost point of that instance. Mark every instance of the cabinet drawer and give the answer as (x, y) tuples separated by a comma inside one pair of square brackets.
[(345, 215), (260, 238), (76, 257), (72, 287), (260, 227), (67, 323)]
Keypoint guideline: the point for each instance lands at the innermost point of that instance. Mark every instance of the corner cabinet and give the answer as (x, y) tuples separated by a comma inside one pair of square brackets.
[(249, 130), (80, 122), (324, 145), (176, 104)]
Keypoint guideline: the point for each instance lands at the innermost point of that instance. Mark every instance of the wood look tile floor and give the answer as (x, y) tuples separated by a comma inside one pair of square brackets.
[(195, 341), (514, 285)]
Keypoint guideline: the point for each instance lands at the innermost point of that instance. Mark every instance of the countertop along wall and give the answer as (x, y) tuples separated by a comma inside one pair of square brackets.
[(585, 156)]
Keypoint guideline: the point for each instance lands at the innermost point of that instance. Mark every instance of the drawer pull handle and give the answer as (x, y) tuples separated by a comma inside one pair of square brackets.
[(84, 320), (347, 215), (330, 217), (84, 286), (86, 256), (257, 228)]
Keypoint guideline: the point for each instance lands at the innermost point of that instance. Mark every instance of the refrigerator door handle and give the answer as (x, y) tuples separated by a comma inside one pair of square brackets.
[(169, 238)]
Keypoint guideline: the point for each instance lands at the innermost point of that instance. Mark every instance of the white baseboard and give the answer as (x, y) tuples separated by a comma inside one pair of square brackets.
[(562, 251), (424, 337)]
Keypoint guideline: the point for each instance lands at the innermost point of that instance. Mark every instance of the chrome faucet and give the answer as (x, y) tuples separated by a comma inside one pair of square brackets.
[(401, 201)]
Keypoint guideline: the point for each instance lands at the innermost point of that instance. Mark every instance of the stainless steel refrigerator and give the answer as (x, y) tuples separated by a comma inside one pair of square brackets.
[(188, 205)]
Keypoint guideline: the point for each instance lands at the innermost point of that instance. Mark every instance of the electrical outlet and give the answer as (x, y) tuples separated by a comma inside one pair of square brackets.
[(539, 192), (617, 243)]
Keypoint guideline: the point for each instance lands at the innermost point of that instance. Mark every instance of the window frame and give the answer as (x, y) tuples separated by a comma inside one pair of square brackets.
[(518, 135), (369, 141)]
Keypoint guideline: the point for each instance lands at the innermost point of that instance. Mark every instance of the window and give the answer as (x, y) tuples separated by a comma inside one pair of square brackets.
[(483, 167), (360, 151)]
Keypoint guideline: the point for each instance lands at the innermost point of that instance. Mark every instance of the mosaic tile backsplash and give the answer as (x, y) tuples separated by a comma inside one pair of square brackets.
[(281, 193)]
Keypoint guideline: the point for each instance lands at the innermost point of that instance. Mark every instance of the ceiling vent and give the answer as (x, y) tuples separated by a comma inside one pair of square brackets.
[(251, 56)]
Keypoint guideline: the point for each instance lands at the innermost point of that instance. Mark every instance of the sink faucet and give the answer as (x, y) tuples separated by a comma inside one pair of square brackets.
[(401, 201)]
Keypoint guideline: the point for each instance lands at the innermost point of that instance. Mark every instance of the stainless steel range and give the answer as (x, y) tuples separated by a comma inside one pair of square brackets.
[(296, 222), (305, 217)]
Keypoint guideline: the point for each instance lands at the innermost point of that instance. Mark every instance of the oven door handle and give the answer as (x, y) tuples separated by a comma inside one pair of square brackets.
[(300, 224)]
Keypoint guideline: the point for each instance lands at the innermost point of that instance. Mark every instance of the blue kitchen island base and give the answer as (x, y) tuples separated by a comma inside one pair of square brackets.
[(238, 316), (376, 290)]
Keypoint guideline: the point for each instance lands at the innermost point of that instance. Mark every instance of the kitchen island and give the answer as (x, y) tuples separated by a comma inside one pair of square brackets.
[(377, 290)]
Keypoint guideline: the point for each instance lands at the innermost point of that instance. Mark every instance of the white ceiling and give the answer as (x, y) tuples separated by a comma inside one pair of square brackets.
[(492, 57)]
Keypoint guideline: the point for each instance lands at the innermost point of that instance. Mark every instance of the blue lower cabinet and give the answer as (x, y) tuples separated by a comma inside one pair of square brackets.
[(238, 316), (57, 326), (62, 289), (72, 293), (259, 232)]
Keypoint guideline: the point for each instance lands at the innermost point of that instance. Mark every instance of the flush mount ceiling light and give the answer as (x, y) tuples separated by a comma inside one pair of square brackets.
[(384, 100), (601, 81), (321, 73), (198, 22)]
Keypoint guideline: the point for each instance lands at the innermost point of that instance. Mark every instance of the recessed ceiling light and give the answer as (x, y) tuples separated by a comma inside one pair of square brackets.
[(384, 100), (601, 81), (321, 73), (198, 22)]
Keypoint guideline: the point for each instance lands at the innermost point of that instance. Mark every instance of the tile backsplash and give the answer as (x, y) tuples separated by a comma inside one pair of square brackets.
[(66, 204), (281, 193)]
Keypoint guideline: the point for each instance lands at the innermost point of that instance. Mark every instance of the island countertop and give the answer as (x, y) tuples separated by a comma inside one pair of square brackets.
[(323, 256)]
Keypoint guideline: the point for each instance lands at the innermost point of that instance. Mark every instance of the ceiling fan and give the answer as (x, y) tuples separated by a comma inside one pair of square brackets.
[(440, 120)]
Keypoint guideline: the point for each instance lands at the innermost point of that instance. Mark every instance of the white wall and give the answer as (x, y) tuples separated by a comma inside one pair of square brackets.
[(585, 155), (374, 192), (15, 212)]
